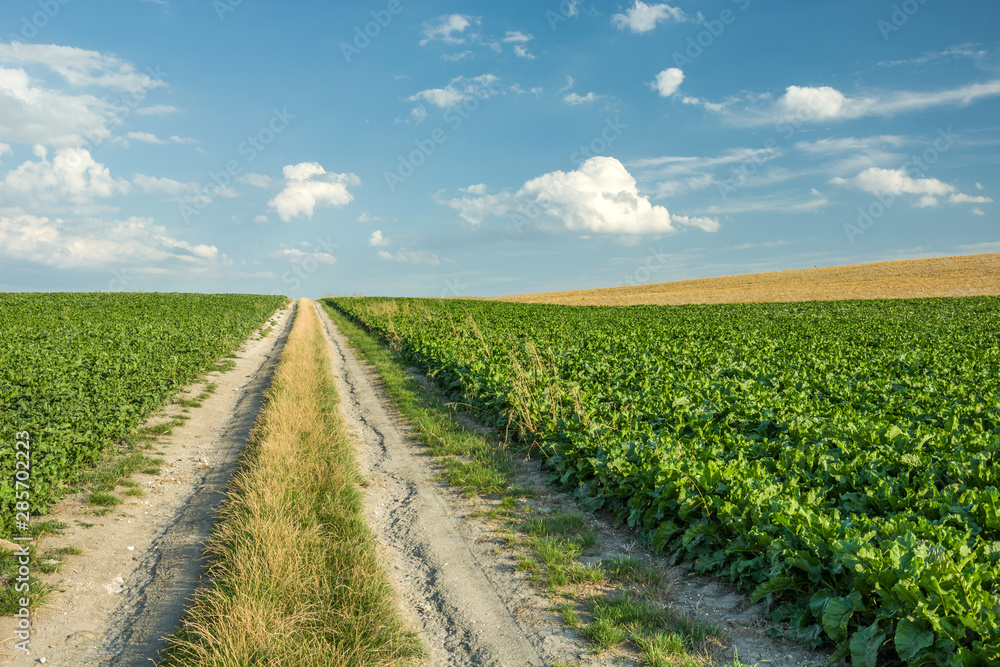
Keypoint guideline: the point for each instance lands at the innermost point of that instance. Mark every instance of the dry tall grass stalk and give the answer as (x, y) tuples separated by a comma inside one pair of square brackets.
[(295, 575)]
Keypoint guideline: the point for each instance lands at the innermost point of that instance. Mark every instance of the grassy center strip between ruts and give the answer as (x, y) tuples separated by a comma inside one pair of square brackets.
[(295, 575)]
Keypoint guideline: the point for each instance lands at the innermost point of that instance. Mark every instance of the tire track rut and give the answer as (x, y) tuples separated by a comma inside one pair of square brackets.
[(446, 588)]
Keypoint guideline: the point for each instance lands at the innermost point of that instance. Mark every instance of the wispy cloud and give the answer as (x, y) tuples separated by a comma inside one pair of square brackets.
[(814, 104), (156, 110), (410, 257), (450, 29), (459, 88), (961, 51), (792, 204), (897, 182)]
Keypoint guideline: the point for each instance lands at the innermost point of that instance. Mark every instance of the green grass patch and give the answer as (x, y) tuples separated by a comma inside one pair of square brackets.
[(10, 597), (69, 550), (103, 499), (663, 637)]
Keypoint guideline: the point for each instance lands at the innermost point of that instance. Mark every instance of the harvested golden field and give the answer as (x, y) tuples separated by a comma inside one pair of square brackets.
[(965, 275)]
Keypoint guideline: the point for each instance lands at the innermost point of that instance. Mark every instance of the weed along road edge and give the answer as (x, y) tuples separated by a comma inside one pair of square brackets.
[(141, 563), (443, 586)]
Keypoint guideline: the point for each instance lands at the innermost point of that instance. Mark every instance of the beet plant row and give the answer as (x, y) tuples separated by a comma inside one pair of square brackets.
[(79, 372), (837, 459)]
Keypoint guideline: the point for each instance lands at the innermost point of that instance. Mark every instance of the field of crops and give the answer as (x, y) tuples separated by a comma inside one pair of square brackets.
[(836, 459), (81, 371)]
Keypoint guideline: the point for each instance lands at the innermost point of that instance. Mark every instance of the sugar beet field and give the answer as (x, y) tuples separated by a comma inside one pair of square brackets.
[(835, 460)]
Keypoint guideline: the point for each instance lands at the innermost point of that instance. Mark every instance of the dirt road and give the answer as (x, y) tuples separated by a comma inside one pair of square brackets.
[(447, 589)]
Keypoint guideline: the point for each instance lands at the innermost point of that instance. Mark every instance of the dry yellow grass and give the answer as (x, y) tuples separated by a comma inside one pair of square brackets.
[(966, 275), (295, 576)]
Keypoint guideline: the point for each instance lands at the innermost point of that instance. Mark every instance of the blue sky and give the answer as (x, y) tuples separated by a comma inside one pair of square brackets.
[(482, 148)]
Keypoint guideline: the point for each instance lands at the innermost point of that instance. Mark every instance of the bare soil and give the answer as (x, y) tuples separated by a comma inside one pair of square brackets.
[(142, 562), (965, 275)]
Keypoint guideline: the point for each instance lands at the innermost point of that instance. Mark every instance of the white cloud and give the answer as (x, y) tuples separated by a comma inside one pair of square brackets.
[(518, 90), (99, 243), (449, 29), (483, 86), (979, 186), (898, 182), (80, 67), (409, 257), (893, 181), (600, 197), (84, 101), (977, 211), (517, 36), (640, 17), (256, 180), (522, 51), (72, 176), (710, 106), (576, 100), (149, 138), (156, 110), (376, 239), (366, 216), (455, 57), (477, 189), (960, 198), (802, 104), (31, 114), (668, 81), (569, 84), (296, 255), (807, 103), (444, 98), (6, 149), (308, 184), (705, 224), (166, 186), (519, 39), (145, 137)]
